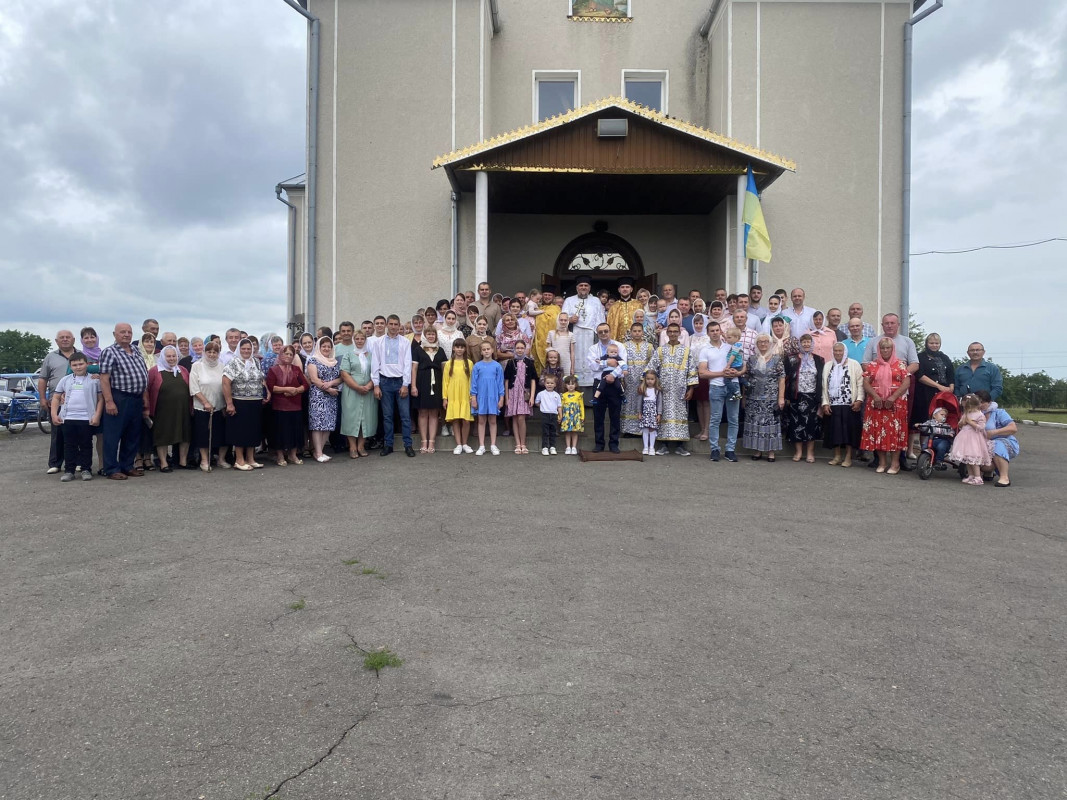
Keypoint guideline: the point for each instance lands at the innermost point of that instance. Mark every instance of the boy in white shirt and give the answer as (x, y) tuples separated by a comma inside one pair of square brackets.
[(549, 402), (77, 405)]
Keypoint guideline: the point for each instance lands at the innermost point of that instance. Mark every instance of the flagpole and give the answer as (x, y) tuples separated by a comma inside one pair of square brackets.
[(740, 277)]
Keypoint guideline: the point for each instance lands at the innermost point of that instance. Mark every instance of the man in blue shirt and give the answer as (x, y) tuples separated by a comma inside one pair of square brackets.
[(979, 374)]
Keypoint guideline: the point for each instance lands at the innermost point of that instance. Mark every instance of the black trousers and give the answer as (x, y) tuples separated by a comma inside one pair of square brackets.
[(610, 403), (56, 448), (548, 432), (77, 444)]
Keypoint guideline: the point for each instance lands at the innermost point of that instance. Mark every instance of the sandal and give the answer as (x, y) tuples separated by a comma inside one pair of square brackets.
[(835, 461), (757, 456), (518, 450), (281, 462), (796, 458), (770, 459), (810, 459), (431, 449), (423, 448)]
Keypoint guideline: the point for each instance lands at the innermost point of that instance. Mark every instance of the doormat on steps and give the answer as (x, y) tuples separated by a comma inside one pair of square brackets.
[(625, 455)]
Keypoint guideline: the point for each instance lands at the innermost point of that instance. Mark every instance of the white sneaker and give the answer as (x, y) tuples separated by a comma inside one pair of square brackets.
[(544, 451), (494, 449), (552, 451), (321, 459), (468, 449), (480, 451), (52, 470), (644, 452), (458, 450)]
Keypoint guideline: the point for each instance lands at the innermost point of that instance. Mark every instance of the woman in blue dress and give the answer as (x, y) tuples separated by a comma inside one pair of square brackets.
[(324, 375)]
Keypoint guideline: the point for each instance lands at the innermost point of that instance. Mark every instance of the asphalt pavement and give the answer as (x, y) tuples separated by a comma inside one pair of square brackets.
[(667, 629)]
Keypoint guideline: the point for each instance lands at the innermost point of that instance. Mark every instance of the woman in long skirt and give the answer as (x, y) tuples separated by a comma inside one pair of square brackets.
[(803, 375), (764, 400)]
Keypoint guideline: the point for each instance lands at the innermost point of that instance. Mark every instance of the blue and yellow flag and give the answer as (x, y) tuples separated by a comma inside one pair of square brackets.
[(757, 240)]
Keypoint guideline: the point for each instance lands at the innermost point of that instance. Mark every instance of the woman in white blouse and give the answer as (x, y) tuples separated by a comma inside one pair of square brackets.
[(205, 385)]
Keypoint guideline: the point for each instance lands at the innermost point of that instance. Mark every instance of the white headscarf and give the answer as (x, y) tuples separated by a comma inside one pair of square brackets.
[(838, 373), (318, 356), (163, 366), (245, 363)]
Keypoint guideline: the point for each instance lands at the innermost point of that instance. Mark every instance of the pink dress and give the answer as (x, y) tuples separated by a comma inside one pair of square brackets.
[(970, 446)]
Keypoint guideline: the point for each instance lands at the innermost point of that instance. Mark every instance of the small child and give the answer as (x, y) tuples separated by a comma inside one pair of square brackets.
[(735, 360), (487, 397), (613, 353), (77, 405), (533, 304), (970, 447), (661, 313), (940, 433), (651, 411), (549, 402), (571, 414)]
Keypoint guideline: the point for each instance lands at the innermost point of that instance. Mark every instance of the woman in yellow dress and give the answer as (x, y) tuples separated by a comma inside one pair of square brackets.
[(456, 393)]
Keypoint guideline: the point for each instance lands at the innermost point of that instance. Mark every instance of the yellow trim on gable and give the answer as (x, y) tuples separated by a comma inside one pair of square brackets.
[(626, 105)]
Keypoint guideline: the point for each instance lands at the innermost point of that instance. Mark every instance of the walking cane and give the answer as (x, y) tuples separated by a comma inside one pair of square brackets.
[(210, 427)]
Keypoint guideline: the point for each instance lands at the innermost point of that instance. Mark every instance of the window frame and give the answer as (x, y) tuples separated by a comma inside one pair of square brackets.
[(558, 75), (629, 12), (661, 76)]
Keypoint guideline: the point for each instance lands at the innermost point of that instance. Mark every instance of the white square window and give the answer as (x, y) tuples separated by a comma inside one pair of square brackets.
[(646, 87), (555, 92)]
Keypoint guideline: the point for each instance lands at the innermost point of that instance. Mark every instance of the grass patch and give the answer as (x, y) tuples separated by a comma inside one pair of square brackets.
[(372, 571), (350, 562), (299, 605), (380, 659), (1036, 416)]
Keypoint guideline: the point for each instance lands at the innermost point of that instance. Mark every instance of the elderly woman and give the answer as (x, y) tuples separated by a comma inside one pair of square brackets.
[(701, 397), (935, 375), (243, 390), (885, 421), (1000, 430), (803, 377), (764, 401), (842, 402), (782, 340), (359, 408), (426, 386), (167, 397), (648, 325), (324, 375), (286, 385), (205, 385), (638, 354)]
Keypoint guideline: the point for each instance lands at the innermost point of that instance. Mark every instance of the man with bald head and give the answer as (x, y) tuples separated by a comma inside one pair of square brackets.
[(53, 368), (123, 382)]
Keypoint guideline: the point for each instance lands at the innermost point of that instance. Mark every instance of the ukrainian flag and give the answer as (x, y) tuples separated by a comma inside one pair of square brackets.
[(757, 240)]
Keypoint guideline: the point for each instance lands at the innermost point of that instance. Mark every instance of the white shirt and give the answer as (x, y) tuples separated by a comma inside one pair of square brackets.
[(548, 402), (596, 354), (715, 358), (385, 366), (226, 356), (207, 381), (757, 311), (800, 321), (587, 312)]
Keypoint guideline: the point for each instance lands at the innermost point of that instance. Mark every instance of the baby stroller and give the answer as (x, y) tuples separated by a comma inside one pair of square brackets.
[(936, 442)]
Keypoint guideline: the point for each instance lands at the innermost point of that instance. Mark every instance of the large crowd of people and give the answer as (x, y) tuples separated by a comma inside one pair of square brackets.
[(474, 369)]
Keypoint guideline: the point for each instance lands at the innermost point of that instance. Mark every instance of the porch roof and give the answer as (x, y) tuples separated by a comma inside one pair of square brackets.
[(561, 165)]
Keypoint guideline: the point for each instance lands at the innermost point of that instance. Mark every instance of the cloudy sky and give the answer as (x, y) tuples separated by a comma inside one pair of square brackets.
[(140, 143)]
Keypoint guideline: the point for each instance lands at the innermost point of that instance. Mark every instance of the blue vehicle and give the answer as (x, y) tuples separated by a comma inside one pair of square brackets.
[(19, 403)]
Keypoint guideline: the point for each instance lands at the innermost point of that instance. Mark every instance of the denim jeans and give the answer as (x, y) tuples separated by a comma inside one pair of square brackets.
[(122, 433), (940, 446), (391, 400), (717, 395)]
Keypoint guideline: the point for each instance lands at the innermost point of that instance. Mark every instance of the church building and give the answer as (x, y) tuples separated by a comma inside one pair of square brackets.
[(523, 141)]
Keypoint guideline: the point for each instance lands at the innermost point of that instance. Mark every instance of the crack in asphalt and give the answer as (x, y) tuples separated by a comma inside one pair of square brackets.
[(344, 734)]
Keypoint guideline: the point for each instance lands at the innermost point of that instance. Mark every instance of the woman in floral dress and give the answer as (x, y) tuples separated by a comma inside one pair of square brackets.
[(885, 422)]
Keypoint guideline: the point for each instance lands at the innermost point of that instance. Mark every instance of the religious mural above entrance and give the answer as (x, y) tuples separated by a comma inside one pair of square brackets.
[(600, 262), (600, 9)]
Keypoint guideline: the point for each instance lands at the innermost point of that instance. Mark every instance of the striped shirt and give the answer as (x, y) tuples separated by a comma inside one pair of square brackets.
[(125, 369)]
